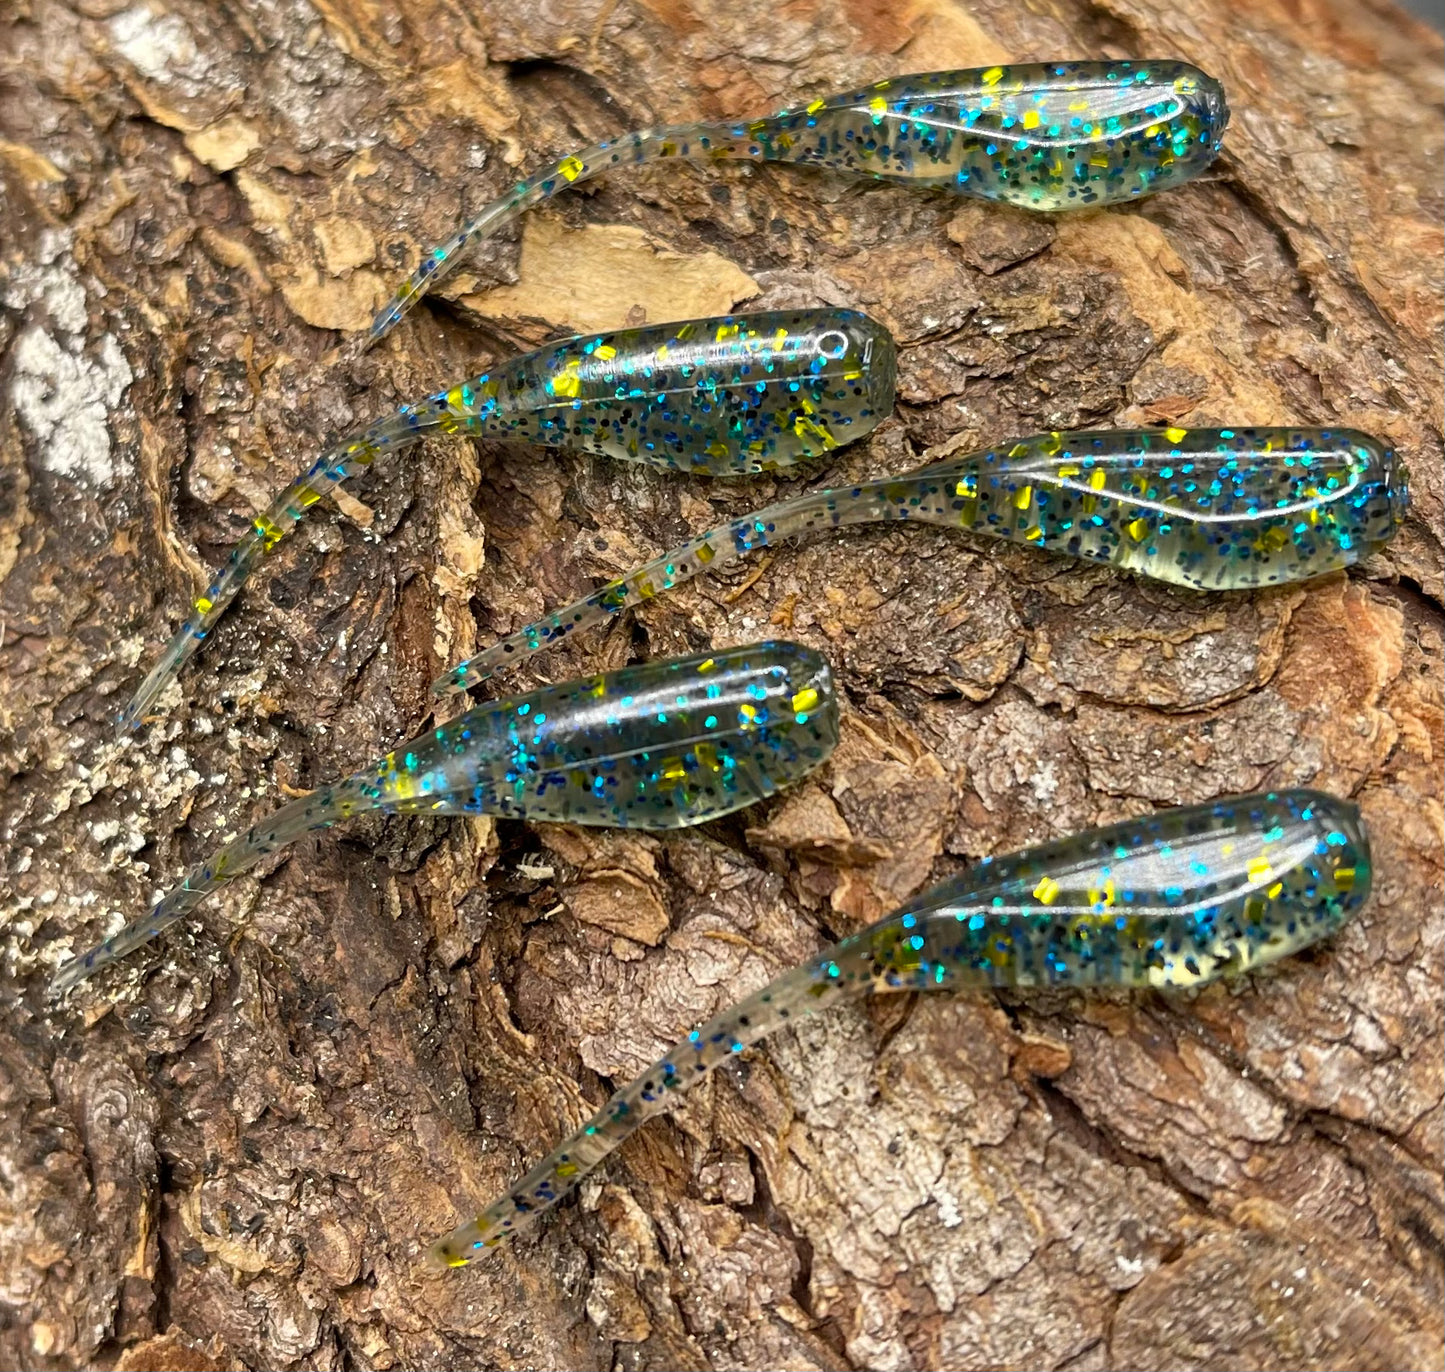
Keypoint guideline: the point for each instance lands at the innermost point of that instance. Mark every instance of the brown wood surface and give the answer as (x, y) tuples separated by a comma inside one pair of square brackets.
[(229, 1153)]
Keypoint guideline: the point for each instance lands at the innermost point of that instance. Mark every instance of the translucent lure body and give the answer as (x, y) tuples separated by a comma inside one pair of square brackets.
[(722, 397), (1169, 900), (1215, 509), (660, 746), (1048, 136)]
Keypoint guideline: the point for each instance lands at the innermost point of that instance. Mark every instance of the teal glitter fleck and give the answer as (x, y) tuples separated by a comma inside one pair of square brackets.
[(660, 746), (718, 397), (1047, 136), (1214, 509), (1169, 900)]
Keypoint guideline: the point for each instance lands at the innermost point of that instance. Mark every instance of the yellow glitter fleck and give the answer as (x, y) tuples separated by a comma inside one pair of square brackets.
[(708, 666), (1260, 871), (567, 383), (646, 589), (967, 487), (1099, 480), (816, 106), (706, 553), (205, 605), (1031, 119), (566, 1169), (1034, 535), (1100, 160), (1023, 497), (807, 428), (1047, 891), (1275, 891), (1345, 878), (1104, 896), (993, 76), (1176, 435), (606, 352), (1272, 540), (726, 331), (804, 700), (571, 167), (270, 534), (672, 771), (1069, 469), (707, 757), (1139, 530), (747, 713), (879, 106), (717, 448)]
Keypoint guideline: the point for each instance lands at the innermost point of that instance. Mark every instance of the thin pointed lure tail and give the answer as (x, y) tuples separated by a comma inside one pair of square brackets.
[(285, 826), (1174, 899), (1212, 509), (338, 462), (1048, 136)]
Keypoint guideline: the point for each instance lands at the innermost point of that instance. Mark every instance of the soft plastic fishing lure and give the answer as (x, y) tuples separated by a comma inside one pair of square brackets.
[(1215, 509), (1048, 136), (1170, 900), (721, 397), (660, 746)]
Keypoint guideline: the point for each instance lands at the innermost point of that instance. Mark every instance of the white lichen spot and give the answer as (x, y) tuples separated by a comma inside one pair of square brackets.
[(1045, 779), (158, 46), (63, 397), (949, 1215)]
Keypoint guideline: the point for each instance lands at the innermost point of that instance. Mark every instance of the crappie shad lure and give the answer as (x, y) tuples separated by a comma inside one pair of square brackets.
[(718, 397), (1213, 509), (1172, 899), (660, 746), (1044, 135)]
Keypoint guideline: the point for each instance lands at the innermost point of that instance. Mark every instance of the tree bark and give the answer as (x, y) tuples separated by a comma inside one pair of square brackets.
[(229, 1153)]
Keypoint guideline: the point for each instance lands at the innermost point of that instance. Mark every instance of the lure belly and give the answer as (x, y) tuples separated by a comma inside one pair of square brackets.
[(1170, 900), (661, 746), (718, 397), (1212, 509), (1044, 135)]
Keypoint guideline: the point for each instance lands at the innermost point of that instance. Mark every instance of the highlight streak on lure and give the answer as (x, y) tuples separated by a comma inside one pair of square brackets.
[(1215, 509), (1170, 900), (723, 396), (1048, 136), (661, 746)]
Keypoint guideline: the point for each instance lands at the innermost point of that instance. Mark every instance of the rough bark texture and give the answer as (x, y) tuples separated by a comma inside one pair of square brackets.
[(229, 1154)]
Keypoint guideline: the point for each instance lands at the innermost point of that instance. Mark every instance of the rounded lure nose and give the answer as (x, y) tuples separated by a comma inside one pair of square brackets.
[(1341, 831), (1381, 497), (877, 356), (807, 694), (1394, 487), (1188, 140), (1205, 100)]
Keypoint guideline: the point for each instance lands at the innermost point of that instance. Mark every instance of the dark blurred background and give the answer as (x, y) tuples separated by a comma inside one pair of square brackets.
[(1432, 11)]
